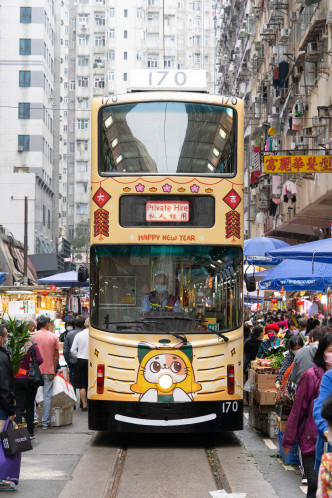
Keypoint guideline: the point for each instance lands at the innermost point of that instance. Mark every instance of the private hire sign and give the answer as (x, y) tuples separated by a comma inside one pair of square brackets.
[(297, 164)]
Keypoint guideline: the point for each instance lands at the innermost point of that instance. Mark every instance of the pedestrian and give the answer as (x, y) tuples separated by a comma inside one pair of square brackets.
[(272, 342), (80, 351), (312, 323), (25, 392), (70, 360), (7, 399), (324, 488), (305, 357), (295, 344), (302, 326), (252, 346), (48, 345), (301, 425), (69, 326)]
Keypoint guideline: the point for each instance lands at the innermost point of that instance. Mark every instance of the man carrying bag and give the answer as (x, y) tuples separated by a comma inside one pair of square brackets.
[(9, 466)]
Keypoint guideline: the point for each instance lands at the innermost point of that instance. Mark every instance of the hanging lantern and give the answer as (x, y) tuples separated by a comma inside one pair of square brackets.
[(281, 291), (300, 303), (45, 293), (53, 288), (274, 301)]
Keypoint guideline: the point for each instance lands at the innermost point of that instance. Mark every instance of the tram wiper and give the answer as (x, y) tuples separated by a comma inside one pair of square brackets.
[(167, 317)]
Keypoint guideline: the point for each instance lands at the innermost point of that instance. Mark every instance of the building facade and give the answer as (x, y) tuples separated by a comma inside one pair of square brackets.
[(276, 54), (28, 120), (101, 41)]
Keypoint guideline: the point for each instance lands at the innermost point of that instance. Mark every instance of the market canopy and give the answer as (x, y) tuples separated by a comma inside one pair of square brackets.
[(2, 276), (319, 250), (256, 249), (67, 279), (299, 276)]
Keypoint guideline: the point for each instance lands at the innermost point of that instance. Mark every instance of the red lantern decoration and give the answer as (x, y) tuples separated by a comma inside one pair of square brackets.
[(300, 303), (274, 301), (45, 293), (53, 288)]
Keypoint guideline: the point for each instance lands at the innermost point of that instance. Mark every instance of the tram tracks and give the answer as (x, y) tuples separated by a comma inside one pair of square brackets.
[(118, 470)]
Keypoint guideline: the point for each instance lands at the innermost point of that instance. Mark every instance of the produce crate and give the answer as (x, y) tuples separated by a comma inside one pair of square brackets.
[(266, 397), (293, 457), (265, 381)]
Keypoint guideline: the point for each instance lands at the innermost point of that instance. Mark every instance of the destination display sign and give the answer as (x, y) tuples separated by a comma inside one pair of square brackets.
[(163, 211), (297, 164), (168, 79)]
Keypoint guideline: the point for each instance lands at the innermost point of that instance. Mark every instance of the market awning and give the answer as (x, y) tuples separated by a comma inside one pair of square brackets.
[(2, 277), (317, 251), (66, 279), (255, 250), (299, 276), (18, 257)]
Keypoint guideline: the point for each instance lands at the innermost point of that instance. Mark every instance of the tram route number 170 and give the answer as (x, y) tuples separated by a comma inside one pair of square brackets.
[(228, 406)]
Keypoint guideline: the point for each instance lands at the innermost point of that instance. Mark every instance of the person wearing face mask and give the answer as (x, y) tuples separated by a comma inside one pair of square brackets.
[(7, 399), (160, 299), (69, 326), (251, 346), (324, 488), (295, 344), (70, 360), (322, 425), (301, 425), (272, 342)]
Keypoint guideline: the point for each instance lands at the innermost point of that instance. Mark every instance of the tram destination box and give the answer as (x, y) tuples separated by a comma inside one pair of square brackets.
[(267, 397)]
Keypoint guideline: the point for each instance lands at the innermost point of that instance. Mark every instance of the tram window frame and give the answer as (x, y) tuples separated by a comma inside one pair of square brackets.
[(154, 173)]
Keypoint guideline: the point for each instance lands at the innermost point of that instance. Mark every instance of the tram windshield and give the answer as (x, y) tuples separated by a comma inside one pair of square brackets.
[(161, 288), (167, 138)]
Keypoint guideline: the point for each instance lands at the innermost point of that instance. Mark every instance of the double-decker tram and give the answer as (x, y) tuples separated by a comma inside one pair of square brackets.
[(166, 261)]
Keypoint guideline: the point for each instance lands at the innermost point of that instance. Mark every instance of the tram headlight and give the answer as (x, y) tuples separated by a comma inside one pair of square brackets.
[(165, 381)]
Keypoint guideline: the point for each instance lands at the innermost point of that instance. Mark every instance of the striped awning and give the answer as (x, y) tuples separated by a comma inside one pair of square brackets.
[(18, 258)]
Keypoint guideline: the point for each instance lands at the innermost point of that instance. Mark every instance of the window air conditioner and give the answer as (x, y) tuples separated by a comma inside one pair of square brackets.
[(20, 148)]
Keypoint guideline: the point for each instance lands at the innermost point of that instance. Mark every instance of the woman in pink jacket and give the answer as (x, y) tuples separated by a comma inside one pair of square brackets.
[(301, 425)]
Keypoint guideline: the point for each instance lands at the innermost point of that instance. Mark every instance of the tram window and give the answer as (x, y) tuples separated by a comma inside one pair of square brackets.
[(167, 138), (201, 286)]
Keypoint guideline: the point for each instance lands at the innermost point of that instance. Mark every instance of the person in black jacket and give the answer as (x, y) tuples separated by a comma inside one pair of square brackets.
[(7, 399), (70, 360), (252, 345)]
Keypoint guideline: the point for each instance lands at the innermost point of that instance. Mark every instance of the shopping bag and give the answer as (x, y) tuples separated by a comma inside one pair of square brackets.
[(35, 378), (15, 441), (10, 466)]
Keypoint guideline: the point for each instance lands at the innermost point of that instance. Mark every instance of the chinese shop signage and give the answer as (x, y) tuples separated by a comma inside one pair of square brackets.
[(177, 211), (297, 164)]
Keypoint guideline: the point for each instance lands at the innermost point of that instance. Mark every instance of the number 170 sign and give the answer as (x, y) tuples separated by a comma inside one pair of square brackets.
[(155, 79)]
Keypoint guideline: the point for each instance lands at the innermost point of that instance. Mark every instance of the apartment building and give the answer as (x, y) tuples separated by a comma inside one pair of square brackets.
[(101, 42), (28, 121), (276, 54)]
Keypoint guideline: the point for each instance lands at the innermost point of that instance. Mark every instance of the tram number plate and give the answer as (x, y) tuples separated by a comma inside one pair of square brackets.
[(229, 406)]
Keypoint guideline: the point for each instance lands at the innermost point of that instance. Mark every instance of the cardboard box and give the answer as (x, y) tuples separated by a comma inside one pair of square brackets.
[(265, 397), (63, 393), (281, 423), (265, 381), (60, 415)]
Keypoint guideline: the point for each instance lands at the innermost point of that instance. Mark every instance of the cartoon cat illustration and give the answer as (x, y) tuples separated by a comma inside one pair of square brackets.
[(165, 373)]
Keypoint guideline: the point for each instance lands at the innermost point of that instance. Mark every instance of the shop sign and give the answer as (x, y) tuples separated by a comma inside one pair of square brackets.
[(163, 211), (297, 164)]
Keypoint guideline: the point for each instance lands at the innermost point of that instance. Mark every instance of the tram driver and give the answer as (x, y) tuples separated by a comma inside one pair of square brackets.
[(160, 299)]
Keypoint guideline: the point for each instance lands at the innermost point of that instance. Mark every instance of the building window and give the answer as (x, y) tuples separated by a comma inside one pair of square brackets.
[(180, 65), (25, 46), (24, 110), (100, 40), (111, 12), (100, 19), (84, 18), (111, 55), (82, 146), (81, 208), (83, 103), (23, 142), (71, 147), (72, 85), (25, 15), (100, 2), (125, 76), (168, 62), (140, 13), (152, 3), (83, 40), (48, 219), (82, 124), (197, 58), (110, 76), (71, 211), (83, 60), (82, 81), (99, 62), (99, 83), (152, 62), (125, 13), (125, 34), (44, 215), (82, 166), (125, 56), (140, 56), (111, 33), (71, 231), (180, 4)]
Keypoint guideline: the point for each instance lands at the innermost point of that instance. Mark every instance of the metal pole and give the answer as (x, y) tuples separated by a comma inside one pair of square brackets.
[(25, 272)]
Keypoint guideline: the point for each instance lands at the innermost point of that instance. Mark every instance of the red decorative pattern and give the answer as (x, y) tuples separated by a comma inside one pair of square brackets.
[(101, 197), (101, 223), (232, 199), (233, 225)]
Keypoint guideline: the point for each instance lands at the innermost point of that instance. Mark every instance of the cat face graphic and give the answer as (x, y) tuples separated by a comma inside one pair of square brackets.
[(165, 364)]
